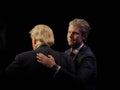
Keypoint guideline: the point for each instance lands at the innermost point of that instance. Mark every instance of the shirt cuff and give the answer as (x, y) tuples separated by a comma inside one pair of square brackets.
[(56, 68)]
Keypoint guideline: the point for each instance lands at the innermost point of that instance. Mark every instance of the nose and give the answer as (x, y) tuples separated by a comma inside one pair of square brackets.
[(71, 35)]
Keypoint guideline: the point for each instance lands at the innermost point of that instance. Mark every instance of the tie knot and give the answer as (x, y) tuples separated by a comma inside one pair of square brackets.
[(72, 54)]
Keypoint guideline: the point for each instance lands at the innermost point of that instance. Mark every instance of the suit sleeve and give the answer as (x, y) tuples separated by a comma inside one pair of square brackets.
[(84, 71)]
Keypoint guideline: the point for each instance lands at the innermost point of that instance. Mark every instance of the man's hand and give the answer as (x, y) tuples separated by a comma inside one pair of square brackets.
[(48, 61)]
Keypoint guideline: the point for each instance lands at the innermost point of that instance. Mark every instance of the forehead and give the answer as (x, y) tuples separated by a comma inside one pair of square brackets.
[(73, 28)]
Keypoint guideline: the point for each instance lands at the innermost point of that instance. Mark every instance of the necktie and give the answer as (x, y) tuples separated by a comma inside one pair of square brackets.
[(72, 54)]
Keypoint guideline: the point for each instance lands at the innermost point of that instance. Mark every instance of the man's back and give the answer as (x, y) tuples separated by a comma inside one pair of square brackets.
[(26, 70)]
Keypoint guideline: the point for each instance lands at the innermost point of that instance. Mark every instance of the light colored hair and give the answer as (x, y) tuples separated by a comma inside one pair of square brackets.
[(82, 24), (43, 34)]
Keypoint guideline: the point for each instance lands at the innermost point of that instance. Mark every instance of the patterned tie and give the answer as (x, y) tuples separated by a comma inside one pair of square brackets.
[(72, 54)]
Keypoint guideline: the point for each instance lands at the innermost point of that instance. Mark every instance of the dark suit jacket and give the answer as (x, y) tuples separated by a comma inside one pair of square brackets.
[(86, 70), (26, 69)]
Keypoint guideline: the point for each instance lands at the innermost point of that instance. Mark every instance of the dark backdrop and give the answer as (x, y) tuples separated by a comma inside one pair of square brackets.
[(18, 20)]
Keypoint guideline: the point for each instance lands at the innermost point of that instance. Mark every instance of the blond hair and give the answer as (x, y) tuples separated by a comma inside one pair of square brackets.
[(82, 24), (43, 34)]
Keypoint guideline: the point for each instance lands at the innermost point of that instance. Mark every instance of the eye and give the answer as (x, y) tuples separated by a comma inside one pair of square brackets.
[(75, 33)]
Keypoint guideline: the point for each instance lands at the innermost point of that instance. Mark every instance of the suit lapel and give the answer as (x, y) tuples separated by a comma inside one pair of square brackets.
[(80, 55)]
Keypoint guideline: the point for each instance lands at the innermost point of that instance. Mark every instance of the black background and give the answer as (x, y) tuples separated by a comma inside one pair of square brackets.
[(16, 20)]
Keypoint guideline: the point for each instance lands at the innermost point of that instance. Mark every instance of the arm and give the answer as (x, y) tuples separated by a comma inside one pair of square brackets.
[(60, 72), (48, 62), (84, 69)]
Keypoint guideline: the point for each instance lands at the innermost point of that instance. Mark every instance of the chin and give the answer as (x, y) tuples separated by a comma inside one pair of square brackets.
[(70, 44)]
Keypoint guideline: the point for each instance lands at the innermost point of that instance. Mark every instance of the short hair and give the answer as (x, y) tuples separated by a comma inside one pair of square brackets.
[(82, 24), (43, 34)]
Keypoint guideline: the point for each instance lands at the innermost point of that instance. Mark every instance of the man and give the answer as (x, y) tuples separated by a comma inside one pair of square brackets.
[(25, 68), (83, 58)]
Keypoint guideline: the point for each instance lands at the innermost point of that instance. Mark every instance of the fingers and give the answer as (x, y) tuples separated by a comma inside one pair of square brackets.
[(40, 54), (51, 57), (39, 57), (39, 60), (42, 58)]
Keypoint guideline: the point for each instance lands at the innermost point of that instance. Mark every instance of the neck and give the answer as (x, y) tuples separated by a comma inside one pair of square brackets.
[(76, 45)]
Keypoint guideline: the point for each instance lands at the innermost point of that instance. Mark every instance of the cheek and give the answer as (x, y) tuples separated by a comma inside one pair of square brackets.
[(32, 43), (77, 37), (80, 38), (67, 36)]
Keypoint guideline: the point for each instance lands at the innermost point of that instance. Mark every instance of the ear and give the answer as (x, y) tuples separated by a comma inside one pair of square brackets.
[(85, 35), (34, 45), (34, 41)]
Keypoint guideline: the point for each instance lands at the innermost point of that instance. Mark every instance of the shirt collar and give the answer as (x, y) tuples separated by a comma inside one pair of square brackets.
[(75, 51)]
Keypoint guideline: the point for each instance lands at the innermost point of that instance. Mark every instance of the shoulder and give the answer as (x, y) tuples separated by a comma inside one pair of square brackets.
[(63, 57), (86, 51), (67, 58), (25, 54), (67, 51)]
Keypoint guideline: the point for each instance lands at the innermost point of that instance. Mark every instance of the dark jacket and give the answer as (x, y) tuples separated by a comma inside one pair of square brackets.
[(27, 70), (86, 69)]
